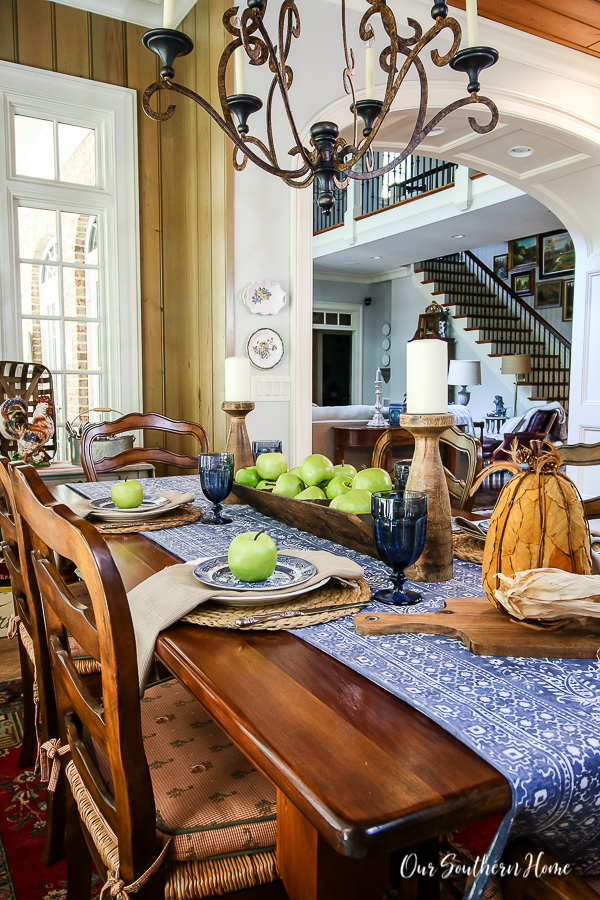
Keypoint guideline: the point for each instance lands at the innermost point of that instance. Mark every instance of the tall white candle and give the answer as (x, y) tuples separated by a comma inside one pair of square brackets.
[(169, 14), (472, 24), (378, 375), (370, 70), (426, 376), (237, 378), (240, 71)]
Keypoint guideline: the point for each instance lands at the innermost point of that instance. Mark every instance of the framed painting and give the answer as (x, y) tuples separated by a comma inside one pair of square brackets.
[(548, 294), (522, 282), (568, 289), (557, 254), (523, 252), (501, 266)]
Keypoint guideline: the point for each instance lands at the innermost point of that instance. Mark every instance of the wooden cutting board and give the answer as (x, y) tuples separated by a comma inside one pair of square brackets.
[(487, 631)]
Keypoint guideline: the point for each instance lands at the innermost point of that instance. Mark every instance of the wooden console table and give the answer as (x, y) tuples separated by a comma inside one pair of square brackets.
[(360, 436)]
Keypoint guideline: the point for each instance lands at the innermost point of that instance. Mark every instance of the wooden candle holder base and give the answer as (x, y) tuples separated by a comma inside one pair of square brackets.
[(238, 442), (427, 475)]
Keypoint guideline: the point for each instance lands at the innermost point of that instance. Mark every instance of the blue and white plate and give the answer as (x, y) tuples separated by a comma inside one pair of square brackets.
[(148, 504), (290, 571)]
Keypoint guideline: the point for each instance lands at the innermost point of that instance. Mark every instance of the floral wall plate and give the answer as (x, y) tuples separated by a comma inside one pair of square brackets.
[(265, 348), (264, 298)]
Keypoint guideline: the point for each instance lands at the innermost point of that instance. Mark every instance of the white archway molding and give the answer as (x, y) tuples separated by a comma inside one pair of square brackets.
[(571, 193)]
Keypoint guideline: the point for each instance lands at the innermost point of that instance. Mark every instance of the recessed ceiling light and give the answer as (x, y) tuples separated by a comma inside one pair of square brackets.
[(437, 130), (351, 264), (375, 257), (458, 235), (520, 152)]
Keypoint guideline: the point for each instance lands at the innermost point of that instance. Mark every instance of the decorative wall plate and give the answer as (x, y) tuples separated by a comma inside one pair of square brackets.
[(385, 360), (265, 348), (386, 343), (265, 298), (386, 329)]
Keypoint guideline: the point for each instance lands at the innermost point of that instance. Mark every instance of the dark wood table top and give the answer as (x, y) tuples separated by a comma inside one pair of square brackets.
[(368, 771)]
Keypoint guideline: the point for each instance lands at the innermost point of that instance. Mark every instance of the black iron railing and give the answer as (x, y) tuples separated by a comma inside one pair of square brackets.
[(321, 222), (507, 323), (415, 176)]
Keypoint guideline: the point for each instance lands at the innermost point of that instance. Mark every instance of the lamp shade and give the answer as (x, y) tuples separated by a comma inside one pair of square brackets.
[(519, 364), (464, 371)]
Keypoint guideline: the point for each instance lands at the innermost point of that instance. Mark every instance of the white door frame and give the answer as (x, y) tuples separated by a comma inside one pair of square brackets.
[(356, 311)]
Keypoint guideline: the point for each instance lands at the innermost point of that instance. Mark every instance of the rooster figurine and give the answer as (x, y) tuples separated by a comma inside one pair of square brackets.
[(14, 425)]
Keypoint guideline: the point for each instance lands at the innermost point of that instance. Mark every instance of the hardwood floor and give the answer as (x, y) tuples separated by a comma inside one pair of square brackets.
[(10, 667)]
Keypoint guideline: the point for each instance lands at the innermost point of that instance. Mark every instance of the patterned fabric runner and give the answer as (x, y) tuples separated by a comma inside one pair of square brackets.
[(535, 720)]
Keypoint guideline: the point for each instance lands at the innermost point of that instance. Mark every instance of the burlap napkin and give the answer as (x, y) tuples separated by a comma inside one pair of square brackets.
[(81, 505), (165, 597)]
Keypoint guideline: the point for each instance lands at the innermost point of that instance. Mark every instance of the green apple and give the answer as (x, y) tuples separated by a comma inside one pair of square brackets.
[(271, 465), (127, 494), (252, 556), (296, 471), (373, 480), (265, 485), (357, 502), (346, 469), (288, 485), (315, 469), (311, 493), (248, 476), (340, 484)]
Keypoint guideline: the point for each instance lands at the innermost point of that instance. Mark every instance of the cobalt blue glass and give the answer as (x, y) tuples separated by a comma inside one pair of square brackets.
[(399, 525), (401, 473), (260, 447), (216, 481)]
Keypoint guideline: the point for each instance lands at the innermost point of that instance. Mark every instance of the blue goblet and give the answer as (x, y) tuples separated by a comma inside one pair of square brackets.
[(399, 525), (216, 481)]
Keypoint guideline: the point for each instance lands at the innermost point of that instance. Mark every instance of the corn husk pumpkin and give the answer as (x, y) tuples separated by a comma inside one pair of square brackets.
[(538, 522)]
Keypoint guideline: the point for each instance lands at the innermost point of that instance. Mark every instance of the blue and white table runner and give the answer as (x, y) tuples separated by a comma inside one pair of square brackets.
[(535, 720)]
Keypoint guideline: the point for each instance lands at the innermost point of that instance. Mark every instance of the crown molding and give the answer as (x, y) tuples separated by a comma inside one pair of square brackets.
[(390, 275), (147, 13)]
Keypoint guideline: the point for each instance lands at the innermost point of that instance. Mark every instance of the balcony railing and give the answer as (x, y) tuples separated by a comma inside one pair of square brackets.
[(416, 176)]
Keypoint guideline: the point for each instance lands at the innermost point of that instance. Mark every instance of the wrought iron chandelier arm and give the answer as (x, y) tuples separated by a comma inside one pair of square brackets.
[(241, 144)]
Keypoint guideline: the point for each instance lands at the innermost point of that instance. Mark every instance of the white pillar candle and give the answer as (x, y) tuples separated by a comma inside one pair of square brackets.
[(240, 70), (370, 70), (472, 24), (169, 14), (426, 376), (237, 379)]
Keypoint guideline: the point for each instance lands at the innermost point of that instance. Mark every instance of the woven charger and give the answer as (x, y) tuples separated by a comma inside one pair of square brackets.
[(182, 515), (467, 548), (334, 592)]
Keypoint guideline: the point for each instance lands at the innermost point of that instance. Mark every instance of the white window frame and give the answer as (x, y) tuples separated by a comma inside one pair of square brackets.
[(355, 310), (111, 111)]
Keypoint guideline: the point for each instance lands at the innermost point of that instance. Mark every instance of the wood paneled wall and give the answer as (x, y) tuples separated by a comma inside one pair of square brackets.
[(186, 194)]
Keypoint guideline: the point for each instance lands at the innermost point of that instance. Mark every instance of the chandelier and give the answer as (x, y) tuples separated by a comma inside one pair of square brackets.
[(330, 159)]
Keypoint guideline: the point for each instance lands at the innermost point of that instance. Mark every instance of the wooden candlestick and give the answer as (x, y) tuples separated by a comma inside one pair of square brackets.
[(427, 475), (238, 442)]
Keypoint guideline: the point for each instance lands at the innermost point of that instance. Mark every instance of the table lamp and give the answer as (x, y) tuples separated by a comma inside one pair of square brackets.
[(518, 364), (464, 372), (237, 405), (427, 418)]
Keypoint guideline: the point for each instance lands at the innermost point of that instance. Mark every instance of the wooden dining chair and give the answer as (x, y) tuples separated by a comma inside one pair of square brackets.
[(459, 444), (39, 704), (149, 781), (138, 422), (582, 455)]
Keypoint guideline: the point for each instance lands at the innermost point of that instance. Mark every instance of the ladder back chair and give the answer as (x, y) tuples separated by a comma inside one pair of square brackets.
[(137, 422), (583, 455), (459, 483), (41, 722), (148, 780)]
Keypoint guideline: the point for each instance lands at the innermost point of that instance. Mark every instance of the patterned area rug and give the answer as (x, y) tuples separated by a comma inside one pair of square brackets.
[(23, 816)]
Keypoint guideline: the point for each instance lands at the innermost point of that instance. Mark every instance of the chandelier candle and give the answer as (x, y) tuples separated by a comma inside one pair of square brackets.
[(472, 24), (426, 419), (239, 71), (169, 14), (370, 70)]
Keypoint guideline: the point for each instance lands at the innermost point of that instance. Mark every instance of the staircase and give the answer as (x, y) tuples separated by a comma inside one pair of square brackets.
[(506, 323)]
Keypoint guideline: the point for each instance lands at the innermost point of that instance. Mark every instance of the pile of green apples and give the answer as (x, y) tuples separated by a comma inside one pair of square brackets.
[(316, 479)]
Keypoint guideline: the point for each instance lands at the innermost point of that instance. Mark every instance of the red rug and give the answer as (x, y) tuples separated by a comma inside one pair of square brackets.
[(22, 816)]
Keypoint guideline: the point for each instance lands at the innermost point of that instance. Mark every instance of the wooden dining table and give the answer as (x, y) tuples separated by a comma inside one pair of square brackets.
[(359, 773)]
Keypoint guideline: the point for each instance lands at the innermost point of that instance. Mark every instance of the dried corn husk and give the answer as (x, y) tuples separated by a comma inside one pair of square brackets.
[(538, 521), (549, 594)]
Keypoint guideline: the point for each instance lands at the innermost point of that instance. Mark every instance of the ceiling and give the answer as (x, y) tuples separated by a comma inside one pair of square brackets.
[(513, 218), (573, 23)]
